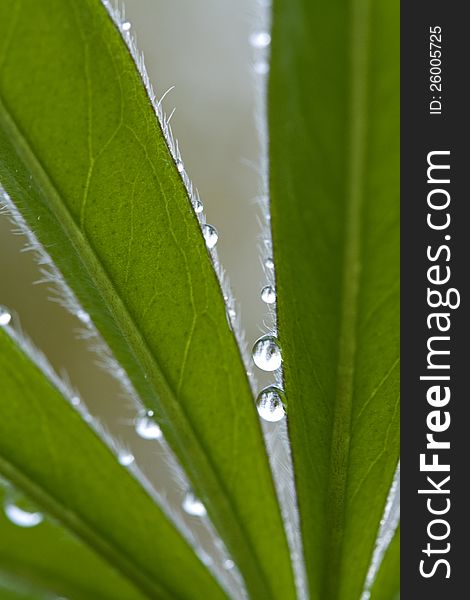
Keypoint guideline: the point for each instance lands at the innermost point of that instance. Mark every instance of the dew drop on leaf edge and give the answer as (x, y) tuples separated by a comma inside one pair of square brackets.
[(22, 517), (270, 404), (75, 401), (5, 317), (192, 505), (198, 206), (83, 316), (125, 459), (266, 353), (260, 39), (268, 294), (146, 428), (269, 263), (210, 235)]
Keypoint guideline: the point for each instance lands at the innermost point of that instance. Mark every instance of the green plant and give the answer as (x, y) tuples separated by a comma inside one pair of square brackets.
[(96, 182)]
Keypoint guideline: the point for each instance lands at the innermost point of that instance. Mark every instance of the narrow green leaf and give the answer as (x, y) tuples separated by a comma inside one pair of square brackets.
[(387, 582), (334, 177), (49, 452), (85, 161)]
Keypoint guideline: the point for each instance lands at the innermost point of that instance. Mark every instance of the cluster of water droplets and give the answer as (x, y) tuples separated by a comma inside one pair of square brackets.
[(267, 355), (270, 401), (260, 41), (148, 429)]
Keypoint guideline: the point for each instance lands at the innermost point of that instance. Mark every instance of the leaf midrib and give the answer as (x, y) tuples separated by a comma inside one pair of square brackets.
[(173, 409), (351, 274)]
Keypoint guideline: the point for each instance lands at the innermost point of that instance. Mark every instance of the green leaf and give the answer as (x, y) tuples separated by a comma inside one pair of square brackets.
[(85, 161), (48, 451), (334, 178), (12, 589), (387, 582), (46, 558)]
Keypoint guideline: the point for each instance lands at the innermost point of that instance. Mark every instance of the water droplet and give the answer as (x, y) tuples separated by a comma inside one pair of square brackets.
[(228, 564), (22, 517), (5, 317), (268, 294), (125, 459), (260, 39), (146, 427), (269, 263), (266, 353), (210, 235), (179, 166), (261, 67), (198, 206), (126, 26), (83, 316), (75, 400), (193, 506), (270, 404)]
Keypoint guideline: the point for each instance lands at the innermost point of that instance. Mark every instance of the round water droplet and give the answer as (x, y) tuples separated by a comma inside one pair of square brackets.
[(83, 316), (180, 166), (193, 506), (266, 353), (268, 294), (21, 516), (75, 400), (269, 263), (261, 67), (146, 427), (228, 564), (260, 39), (5, 317), (210, 235), (198, 206), (270, 404), (126, 26), (125, 459)]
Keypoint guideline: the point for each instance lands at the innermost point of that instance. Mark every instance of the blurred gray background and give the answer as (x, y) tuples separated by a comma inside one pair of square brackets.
[(202, 48)]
